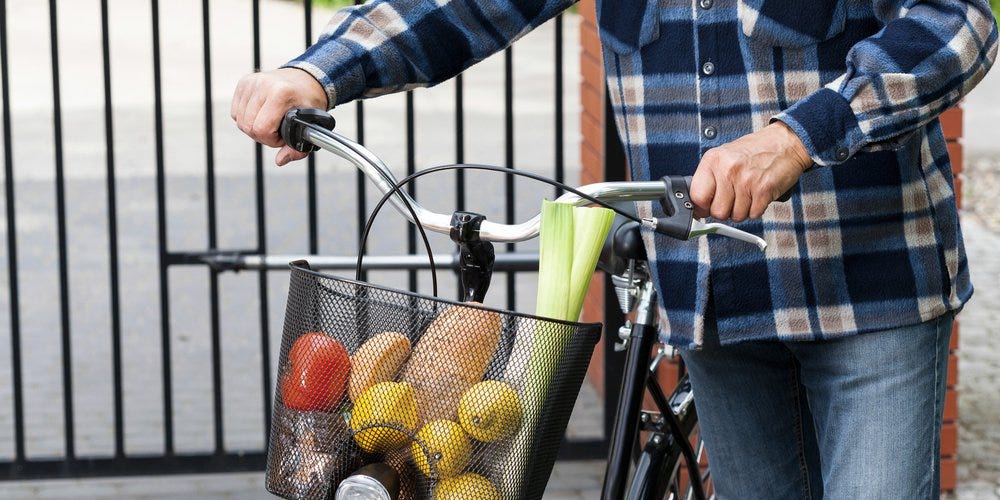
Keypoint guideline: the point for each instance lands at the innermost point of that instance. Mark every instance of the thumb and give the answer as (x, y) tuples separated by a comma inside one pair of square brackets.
[(286, 154)]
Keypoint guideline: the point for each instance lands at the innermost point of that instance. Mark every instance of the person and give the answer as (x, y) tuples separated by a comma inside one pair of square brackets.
[(820, 364)]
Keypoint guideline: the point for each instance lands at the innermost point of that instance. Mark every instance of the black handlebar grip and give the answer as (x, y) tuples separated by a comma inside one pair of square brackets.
[(296, 120)]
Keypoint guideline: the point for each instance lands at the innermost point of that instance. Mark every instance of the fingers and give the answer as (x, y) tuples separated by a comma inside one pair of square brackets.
[(741, 203), (761, 200), (702, 188), (727, 185), (268, 119), (725, 195), (286, 155), (260, 101)]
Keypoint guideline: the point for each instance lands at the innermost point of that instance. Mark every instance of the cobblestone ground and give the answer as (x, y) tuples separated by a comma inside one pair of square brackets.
[(979, 355)]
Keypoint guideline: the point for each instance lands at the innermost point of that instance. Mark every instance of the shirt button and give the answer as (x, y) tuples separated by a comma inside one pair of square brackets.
[(708, 68), (842, 153), (705, 4), (709, 132)]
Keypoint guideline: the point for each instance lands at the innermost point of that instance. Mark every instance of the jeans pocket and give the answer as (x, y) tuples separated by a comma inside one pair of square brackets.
[(628, 25), (791, 23)]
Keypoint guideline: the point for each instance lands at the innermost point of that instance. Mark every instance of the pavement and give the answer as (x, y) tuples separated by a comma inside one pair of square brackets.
[(31, 107)]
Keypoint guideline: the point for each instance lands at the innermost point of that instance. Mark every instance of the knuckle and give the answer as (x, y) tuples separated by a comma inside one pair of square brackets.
[(719, 212)]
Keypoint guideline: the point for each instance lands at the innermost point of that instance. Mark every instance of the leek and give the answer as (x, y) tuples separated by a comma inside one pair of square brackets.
[(570, 244), (555, 260)]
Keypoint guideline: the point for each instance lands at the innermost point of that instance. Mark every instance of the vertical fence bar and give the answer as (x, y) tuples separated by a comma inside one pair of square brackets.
[(109, 148), (560, 144), (213, 275), (459, 152), (362, 212), (265, 335), (411, 167), (15, 308), (508, 99), (311, 160), (60, 185), (459, 142), (161, 217)]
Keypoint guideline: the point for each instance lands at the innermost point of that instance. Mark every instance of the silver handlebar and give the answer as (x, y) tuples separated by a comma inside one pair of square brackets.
[(379, 173)]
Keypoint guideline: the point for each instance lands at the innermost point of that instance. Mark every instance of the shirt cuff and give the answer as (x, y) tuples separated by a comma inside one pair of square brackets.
[(342, 82), (827, 126)]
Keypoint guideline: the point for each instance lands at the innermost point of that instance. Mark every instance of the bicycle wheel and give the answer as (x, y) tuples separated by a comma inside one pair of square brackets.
[(678, 484)]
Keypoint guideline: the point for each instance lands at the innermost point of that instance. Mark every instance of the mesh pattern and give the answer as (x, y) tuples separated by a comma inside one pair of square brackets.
[(462, 401)]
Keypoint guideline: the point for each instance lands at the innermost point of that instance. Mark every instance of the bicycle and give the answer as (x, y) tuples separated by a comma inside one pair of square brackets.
[(666, 464)]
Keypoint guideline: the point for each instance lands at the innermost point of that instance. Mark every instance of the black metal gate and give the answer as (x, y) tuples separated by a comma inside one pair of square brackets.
[(151, 347)]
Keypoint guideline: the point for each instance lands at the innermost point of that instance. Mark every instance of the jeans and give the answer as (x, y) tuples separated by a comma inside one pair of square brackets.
[(856, 417)]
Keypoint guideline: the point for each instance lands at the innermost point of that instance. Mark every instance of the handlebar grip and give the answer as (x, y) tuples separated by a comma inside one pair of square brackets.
[(296, 120)]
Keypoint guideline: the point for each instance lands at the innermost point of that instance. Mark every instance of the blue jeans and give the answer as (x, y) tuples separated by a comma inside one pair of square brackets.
[(857, 417)]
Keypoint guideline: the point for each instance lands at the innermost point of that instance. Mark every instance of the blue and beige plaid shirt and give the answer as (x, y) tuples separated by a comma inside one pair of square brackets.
[(870, 239)]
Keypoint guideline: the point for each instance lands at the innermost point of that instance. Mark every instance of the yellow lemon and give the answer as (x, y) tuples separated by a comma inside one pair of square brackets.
[(381, 413), (490, 411), (466, 487), (445, 445)]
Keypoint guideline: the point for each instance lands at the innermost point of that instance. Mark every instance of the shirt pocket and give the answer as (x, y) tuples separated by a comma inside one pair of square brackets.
[(628, 25), (791, 23)]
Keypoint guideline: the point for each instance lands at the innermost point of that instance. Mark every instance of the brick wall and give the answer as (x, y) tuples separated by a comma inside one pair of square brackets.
[(593, 158), (951, 120)]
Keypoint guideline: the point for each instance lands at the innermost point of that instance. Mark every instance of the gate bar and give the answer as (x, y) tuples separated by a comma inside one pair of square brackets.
[(161, 217), (210, 201), (116, 329), (505, 262), (15, 308), (560, 133), (265, 328), (311, 159), (60, 185), (508, 127)]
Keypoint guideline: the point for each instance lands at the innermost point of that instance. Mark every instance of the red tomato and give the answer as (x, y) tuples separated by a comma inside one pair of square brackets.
[(317, 375)]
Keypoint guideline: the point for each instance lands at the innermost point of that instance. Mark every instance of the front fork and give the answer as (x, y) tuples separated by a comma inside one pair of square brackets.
[(639, 343), (677, 414)]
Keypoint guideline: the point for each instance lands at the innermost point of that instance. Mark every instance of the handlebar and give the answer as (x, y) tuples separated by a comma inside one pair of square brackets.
[(308, 129)]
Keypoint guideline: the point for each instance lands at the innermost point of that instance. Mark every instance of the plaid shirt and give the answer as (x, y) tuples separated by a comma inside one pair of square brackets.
[(870, 239)]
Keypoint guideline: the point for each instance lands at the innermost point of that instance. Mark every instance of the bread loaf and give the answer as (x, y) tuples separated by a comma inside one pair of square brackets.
[(451, 356), (377, 360)]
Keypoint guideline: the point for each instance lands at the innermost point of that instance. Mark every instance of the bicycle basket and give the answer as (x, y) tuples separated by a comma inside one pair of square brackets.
[(461, 400)]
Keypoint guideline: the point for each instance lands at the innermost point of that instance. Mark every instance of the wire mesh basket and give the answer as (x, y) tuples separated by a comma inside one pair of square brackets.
[(460, 400)]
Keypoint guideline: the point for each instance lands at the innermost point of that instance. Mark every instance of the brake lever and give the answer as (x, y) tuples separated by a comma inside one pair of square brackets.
[(680, 222)]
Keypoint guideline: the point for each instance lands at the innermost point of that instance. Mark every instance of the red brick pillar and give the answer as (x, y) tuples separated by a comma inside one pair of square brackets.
[(951, 120), (592, 157), (593, 123)]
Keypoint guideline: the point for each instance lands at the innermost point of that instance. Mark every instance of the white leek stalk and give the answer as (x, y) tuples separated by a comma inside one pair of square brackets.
[(571, 239)]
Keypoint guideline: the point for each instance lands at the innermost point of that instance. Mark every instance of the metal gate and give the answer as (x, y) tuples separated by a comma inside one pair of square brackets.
[(130, 199)]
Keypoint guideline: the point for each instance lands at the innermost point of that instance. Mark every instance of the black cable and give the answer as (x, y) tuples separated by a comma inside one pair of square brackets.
[(462, 166)]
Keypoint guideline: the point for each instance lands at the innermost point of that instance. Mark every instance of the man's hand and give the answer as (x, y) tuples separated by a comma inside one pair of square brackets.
[(261, 100), (739, 179)]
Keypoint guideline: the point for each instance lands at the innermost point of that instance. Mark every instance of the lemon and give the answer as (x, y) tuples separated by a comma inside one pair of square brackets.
[(445, 445), (490, 411), (466, 487), (388, 404)]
